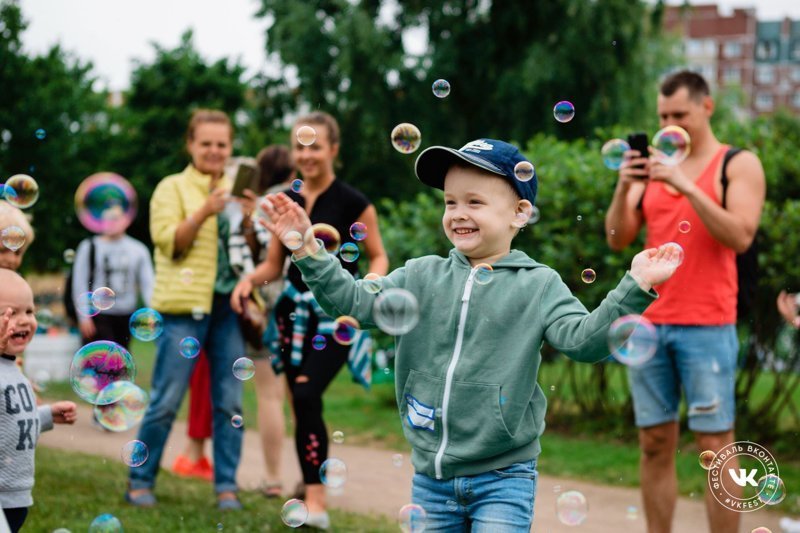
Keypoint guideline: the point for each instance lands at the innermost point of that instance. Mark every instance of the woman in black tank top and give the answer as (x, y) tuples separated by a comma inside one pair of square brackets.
[(309, 369)]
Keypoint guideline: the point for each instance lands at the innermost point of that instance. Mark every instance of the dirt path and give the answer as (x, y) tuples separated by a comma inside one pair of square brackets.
[(376, 485)]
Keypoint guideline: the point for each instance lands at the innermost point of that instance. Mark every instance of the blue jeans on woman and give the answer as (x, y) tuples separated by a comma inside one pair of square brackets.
[(221, 337), (498, 501)]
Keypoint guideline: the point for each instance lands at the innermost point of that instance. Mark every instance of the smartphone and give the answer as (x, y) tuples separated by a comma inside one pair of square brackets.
[(246, 177), (638, 141)]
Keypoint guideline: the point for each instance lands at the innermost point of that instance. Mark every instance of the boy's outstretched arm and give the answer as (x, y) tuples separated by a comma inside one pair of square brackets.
[(581, 335)]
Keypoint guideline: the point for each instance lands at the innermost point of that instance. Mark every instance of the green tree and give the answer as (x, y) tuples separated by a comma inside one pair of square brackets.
[(51, 92), (149, 141), (508, 64)]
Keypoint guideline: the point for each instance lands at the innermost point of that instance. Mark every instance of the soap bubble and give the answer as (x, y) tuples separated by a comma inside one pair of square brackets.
[(328, 235), (106, 203), (613, 153), (524, 171), (396, 311), (632, 340), (671, 145), (679, 255), (84, 305), (186, 276), (120, 406), (103, 298), (406, 138), (237, 421), (358, 231), (40, 134), (564, 111), (338, 437), (571, 508), (588, 275), (441, 88), (21, 191), (706, 459), (13, 238), (349, 252), (333, 473), (412, 518), (244, 369), (297, 185), (761, 529), (146, 324), (319, 342), (373, 283), (294, 513), (69, 256), (397, 460), (189, 347), (483, 273), (345, 329), (134, 453), (306, 135), (97, 365), (771, 489), (105, 523), (293, 240), (684, 226), (535, 216)]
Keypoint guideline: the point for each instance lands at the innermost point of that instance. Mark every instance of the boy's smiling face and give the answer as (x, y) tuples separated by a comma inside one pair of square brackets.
[(482, 213), (17, 296)]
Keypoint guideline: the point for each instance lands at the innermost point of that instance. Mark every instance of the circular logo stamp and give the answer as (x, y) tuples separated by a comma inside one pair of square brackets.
[(739, 476)]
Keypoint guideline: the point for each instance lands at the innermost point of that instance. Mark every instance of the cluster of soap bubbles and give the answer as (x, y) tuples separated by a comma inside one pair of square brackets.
[(671, 146), (92, 302)]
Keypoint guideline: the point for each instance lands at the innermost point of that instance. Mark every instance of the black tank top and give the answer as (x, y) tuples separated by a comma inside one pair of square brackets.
[(339, 205)]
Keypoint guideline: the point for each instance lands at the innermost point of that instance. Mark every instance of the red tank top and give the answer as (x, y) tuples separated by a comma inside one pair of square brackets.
[(702, 291)]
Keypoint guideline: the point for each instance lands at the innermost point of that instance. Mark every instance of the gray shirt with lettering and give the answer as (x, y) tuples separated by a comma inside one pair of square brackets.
[(21, 422)]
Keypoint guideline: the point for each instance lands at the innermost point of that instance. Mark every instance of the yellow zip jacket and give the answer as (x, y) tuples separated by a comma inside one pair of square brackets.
[(184, 284)]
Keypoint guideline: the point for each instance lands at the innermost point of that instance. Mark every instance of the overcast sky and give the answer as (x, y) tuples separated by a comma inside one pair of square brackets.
[(112, 33)]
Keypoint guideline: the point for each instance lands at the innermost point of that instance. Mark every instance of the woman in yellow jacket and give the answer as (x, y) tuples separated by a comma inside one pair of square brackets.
[(194, 280)]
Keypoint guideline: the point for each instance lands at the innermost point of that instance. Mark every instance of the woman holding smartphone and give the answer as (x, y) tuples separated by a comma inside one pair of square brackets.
[(193, 284), (311, 366)]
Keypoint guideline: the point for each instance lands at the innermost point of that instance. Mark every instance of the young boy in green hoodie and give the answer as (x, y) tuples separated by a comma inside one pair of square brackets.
[(466, 374)]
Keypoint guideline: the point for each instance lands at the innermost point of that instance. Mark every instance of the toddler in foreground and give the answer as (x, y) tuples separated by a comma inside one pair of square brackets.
[(21, 421)]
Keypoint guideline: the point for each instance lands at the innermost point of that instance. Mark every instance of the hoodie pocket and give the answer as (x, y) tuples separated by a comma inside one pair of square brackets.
[(475, 422), (421, 425)]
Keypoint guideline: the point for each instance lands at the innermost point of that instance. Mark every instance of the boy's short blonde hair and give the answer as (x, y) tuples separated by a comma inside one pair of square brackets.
[(13, 216)]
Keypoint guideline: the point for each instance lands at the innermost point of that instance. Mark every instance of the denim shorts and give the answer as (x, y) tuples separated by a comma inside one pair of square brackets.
[(498, 501), (701, 361)]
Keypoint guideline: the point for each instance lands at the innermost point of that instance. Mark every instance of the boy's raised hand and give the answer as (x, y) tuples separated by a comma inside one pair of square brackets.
[(285, 216), (64, 412), (656, 265)]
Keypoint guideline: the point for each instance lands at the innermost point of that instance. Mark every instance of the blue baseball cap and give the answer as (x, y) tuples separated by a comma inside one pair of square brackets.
[(494, 156)]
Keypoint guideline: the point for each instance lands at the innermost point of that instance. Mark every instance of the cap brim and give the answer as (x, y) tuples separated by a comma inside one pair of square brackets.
[(433, 163)]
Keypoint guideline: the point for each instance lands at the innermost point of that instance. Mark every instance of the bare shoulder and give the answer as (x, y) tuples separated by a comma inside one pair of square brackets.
[(746, 165)]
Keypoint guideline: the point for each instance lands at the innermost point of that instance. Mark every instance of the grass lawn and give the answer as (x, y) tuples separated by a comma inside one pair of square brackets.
[(74, 488), (370, 417)]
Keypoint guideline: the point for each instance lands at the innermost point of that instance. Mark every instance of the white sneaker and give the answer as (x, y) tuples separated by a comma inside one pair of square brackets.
[(318, 520)]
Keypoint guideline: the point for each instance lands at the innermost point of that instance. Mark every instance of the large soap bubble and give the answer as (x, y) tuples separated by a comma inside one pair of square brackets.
[(105, 203)]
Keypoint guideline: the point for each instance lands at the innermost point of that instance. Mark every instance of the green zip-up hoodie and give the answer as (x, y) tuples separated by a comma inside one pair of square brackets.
[(466, 374)]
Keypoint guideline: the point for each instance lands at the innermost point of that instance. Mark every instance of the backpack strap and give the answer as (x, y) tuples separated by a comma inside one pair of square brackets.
[(92, 255), (732, 151)]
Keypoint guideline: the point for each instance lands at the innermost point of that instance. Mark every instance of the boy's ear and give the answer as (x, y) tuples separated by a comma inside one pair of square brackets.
[(524, 211)]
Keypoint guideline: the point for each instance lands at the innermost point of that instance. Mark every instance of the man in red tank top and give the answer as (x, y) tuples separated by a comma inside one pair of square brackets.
[(695, 315)]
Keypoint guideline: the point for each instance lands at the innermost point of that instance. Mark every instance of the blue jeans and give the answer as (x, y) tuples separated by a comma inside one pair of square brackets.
[(498, 501), (221, 337), (701, 360)]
